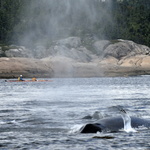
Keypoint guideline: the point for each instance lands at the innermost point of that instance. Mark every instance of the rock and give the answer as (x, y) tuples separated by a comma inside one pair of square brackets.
[(2, 54), (13, 67), (39, 52), (118, 50), (145, 62), (61, 66), (100, 46), (80, 54), (138, 49), (125, 48), (138, 61), (71, 42), (67, 67), (108, 61), (17, 51), (90, 69), (69, 58)]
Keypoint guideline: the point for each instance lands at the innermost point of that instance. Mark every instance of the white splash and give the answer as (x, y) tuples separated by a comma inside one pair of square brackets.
[(75, 128), (126, 120)]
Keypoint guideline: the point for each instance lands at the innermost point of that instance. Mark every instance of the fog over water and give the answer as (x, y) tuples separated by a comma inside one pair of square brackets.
[(55, 19)]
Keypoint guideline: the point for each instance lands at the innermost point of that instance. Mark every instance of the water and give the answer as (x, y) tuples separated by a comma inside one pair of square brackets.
[(46, 115)]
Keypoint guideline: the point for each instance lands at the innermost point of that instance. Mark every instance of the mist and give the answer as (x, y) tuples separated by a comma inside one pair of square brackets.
[(48, 20)]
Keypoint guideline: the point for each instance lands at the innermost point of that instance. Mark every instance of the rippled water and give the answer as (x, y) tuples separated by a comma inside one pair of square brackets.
[(45, 115)]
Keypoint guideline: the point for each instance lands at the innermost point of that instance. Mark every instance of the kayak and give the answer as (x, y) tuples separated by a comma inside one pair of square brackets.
[(28, 81)]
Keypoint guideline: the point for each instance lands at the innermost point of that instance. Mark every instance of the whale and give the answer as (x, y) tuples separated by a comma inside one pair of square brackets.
[(113, 124), (96, 115)]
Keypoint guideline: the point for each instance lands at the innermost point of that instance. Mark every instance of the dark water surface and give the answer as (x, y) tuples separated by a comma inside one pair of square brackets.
[(46, 115)]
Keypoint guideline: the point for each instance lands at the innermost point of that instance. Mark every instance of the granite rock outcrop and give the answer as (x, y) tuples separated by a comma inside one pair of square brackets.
[(70, 57)]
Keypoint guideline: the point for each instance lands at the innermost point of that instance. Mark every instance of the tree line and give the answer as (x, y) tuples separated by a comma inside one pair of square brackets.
[(113, 19)]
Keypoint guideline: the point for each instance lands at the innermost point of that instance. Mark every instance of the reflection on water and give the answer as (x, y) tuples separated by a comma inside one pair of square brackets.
[(46, 115)]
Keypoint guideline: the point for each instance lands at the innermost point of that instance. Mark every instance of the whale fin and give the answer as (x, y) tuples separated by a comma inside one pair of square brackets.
[(117, 108)]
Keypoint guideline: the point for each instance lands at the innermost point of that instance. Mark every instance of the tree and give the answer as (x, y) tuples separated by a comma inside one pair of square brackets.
[(35, 21)]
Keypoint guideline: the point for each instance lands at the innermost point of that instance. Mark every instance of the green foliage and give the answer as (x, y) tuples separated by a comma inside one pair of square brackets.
[(132, 20), (120, 19)]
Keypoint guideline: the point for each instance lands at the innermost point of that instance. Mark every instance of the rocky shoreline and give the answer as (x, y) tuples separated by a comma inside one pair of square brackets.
[(71, 58)]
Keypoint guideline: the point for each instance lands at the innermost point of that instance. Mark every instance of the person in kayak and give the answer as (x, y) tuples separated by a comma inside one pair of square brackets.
[(20, 78), (34, 79)]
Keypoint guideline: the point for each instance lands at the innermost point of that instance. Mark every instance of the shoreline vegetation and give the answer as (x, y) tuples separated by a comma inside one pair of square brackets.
[(30, 22)]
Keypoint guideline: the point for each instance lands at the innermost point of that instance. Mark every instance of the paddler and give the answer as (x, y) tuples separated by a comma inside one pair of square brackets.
[(34, 79), (20, 78)]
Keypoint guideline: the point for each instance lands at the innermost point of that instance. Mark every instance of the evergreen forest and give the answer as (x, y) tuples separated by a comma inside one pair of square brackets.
[(26, 21)]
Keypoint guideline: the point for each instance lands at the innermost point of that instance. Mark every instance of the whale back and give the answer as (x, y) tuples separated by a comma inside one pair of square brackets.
[(113, 124), (137, 122)]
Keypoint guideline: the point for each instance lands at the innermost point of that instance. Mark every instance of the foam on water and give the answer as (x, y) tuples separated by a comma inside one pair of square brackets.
[(75, 128)]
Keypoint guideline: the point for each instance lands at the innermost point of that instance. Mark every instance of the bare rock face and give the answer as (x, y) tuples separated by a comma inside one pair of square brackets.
[(79, 54), (39, 52), (13, 67), (70, 58), (61, 66), (125, 48), (17, 51), (71, 48), (2, 54), (71, 42), (138, 61), (100, 46)]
